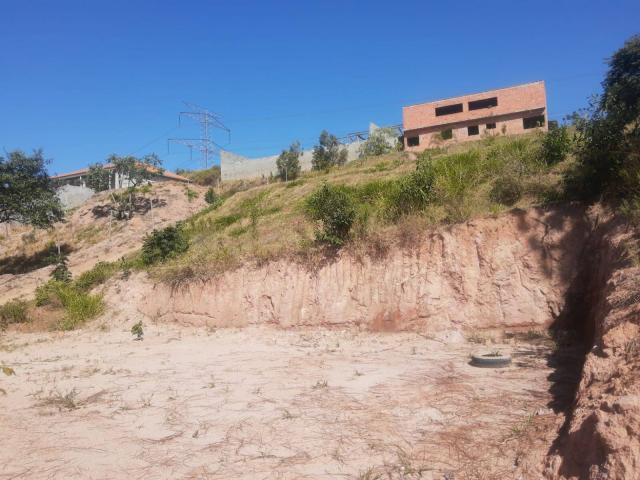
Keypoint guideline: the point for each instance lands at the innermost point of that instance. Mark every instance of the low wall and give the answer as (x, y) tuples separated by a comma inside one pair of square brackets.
[(72, 196), (238, 167)]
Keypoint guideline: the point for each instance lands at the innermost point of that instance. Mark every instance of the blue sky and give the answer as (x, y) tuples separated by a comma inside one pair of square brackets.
[(85, 79)]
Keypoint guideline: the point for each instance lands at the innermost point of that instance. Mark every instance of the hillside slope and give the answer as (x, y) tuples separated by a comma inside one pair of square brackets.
[(88, 236)]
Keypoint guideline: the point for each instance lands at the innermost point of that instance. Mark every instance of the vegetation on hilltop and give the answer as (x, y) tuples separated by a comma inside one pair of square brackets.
[(366, 204), (608, 133), (209, 177), (288, 162)]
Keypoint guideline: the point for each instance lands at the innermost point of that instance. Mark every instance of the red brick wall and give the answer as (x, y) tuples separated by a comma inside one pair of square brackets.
[(514, 104)]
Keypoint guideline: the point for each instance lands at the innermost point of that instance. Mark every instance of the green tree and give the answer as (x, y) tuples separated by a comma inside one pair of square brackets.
[(334, 208), (61, 271), (136, 170), (380, 141), (98, 178), (27, 193), (328, 152), (288, 162), (608, 131)]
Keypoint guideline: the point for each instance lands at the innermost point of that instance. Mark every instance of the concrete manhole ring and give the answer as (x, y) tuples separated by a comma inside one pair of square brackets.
[(490, 360)]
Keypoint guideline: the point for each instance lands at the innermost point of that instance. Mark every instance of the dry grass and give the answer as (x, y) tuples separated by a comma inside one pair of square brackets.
[(260, 221)]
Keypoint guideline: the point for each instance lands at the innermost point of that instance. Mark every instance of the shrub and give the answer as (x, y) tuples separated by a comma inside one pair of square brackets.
[(14, 311), (506, 190), (556, 145), (191, 194), (163, 244), (207, 177), (226, 220), (100, 273), (412, 193), (61, 271), (334, 208), (78, 305), (137, 331), (211, 196)]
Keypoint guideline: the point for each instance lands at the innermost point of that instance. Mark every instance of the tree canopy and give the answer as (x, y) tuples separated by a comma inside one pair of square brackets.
[(608, 150), (380, 141), (27, 193), (136, 170), (288, 162), (328, 152), (98, 178)]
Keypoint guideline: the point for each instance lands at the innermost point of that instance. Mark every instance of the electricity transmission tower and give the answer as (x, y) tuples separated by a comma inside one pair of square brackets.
[(208, 123)]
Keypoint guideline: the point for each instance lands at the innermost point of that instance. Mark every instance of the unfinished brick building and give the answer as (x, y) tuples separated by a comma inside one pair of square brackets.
[(505, 111)]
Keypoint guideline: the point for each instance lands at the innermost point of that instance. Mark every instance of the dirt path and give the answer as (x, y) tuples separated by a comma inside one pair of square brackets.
[(261, 403)]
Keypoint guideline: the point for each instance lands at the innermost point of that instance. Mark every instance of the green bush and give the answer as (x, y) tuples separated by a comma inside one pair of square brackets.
[(61, 271), (556, 145), (100, 273), (413, 192), (78, 305), (208, 177), (191, 194), (14, 311), (333, 207), (226, 220), (506, 190), (211, 196), (163, 244)]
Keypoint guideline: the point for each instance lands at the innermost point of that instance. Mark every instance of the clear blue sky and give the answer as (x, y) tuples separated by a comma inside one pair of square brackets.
[(83, 79)]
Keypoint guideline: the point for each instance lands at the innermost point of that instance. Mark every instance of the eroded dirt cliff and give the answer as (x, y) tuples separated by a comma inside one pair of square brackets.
[(601, 437), (510, 271)]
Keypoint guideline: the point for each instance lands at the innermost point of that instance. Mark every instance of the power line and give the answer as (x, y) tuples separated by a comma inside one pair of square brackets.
[(208, 122)]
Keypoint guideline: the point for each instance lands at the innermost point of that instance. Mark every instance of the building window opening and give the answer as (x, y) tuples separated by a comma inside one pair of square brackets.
[(484, 103), (491, 126), (447, 134), (448, 109), (473, 130), (533, 122), (413, 141)]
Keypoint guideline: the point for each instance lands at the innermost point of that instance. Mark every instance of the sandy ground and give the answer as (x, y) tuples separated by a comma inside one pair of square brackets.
[(261, 403)]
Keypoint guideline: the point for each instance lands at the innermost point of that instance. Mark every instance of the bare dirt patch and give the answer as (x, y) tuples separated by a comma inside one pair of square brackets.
[(265, 403)]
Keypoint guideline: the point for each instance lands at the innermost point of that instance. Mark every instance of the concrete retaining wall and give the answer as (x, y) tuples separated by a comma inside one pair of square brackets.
[(72, 196), (238, 167)]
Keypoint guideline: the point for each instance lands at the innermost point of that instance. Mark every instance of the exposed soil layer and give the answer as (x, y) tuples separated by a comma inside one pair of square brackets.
[(510, 271), (265, 403), (601, 437)]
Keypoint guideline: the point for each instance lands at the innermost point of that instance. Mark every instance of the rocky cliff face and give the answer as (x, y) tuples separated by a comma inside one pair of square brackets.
[(511, 271)]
